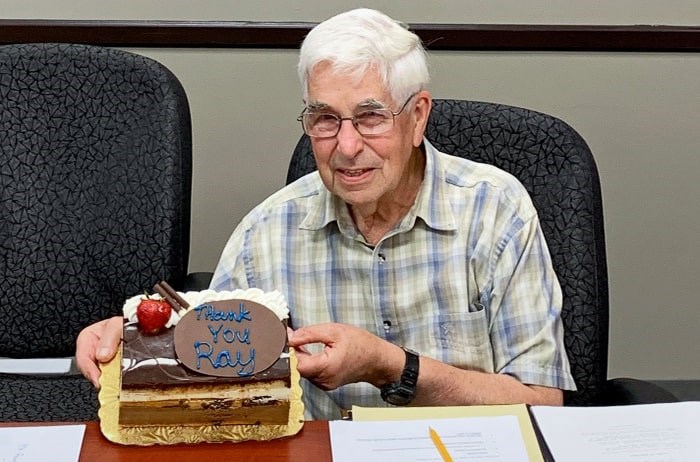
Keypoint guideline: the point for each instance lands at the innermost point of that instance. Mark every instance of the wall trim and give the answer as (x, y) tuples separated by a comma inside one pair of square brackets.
[(288, 35)]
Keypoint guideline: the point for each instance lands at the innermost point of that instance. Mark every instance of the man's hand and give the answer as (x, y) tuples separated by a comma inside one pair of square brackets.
[(349, 355), (97, 343)]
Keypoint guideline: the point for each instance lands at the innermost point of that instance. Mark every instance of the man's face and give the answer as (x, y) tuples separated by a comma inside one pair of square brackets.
[(364, 171)]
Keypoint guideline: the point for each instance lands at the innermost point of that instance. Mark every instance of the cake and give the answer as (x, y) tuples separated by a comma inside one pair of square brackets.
[(223, 360)]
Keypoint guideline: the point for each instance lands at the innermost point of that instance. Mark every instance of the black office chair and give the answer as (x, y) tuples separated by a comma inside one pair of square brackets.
[(95, 181), (557, 168)]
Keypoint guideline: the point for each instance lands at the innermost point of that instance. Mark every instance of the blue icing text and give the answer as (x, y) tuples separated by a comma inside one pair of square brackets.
[(245, 362), (224, 359)]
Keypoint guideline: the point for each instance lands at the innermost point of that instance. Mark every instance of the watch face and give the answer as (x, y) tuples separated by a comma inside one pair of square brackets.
[(397, 400), (397, 394)]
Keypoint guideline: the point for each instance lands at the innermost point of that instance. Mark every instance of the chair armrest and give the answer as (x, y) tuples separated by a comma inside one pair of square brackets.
[(197, 281), (634, 391)]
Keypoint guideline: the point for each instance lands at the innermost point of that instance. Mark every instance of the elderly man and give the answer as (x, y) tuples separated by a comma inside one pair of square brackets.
[(413, 277)]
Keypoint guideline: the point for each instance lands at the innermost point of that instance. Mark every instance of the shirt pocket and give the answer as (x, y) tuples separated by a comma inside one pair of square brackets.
[(464, 331)]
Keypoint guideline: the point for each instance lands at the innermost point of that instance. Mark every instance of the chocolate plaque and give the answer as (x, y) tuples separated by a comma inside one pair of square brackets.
[(229, 338)]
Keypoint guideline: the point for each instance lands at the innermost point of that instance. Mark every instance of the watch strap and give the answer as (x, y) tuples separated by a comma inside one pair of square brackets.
[(409, 376), (402, 392)]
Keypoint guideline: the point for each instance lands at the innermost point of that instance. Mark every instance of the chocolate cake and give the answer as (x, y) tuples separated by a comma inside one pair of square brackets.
[(222, 361)]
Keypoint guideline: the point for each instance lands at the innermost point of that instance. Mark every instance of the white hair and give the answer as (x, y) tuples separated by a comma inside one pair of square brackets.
[(363, 39)]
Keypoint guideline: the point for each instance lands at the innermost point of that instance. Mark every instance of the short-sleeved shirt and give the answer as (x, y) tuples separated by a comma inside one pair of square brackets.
[(465, 277)]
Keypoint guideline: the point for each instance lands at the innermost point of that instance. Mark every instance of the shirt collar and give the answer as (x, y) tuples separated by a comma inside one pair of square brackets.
[(432, 205)]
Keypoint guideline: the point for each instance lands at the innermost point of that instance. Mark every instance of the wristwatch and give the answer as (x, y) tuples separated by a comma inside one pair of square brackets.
[(402, 392)]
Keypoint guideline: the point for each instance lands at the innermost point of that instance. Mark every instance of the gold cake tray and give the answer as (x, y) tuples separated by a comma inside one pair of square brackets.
[(176, 434)]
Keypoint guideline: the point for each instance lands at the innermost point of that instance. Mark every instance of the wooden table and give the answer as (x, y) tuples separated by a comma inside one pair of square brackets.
[(311, 444)]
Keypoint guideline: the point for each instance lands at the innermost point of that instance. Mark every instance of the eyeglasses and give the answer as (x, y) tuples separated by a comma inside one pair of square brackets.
[(367, 123)]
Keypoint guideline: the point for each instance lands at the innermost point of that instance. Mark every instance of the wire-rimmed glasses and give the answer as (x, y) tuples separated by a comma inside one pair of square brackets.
[(376, 121)]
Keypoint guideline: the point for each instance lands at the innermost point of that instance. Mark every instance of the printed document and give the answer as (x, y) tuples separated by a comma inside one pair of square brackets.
[(473, 439), (57, 443), (668, 432)]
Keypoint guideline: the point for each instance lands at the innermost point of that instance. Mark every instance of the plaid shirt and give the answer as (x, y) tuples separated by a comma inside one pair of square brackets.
[(465, 277)]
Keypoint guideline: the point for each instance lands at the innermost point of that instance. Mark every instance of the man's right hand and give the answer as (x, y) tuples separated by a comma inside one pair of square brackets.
[(97, 343)]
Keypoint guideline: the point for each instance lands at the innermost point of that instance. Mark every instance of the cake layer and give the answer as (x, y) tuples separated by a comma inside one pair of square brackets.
[(204, 412), (253, 403)]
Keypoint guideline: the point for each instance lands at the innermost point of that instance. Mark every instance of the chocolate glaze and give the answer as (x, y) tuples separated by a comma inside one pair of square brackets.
[(138, 348)]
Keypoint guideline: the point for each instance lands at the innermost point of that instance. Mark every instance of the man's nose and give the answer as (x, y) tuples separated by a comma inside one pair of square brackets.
[(350, 141)]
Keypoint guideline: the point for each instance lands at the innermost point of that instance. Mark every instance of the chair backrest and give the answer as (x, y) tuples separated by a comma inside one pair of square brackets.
[(95, 182), (556, 166)]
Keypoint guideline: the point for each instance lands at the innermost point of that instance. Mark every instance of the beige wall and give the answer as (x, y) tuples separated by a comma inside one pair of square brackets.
[(638, 112), (677, 12)]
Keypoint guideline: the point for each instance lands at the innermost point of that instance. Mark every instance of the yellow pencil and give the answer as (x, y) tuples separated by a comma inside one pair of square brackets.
[(439, 445)]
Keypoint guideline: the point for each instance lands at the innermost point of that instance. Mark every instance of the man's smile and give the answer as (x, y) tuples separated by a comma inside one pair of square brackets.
[(354, 172)]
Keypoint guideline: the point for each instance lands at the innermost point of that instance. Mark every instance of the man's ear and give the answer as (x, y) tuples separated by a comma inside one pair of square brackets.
[(421, 112)]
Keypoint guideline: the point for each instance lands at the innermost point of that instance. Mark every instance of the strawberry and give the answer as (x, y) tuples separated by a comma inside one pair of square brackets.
[(153, 315)]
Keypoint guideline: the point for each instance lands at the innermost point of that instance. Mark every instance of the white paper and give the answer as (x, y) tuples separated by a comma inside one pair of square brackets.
[(57, 443), (34, 366), (640, 433), (473, 439)]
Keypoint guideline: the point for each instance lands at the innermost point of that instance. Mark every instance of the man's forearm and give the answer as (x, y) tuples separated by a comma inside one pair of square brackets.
[(440, 384)]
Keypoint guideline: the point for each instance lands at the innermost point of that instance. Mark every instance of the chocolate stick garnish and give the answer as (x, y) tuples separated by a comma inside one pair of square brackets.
[(173, 293), (172, 297)]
